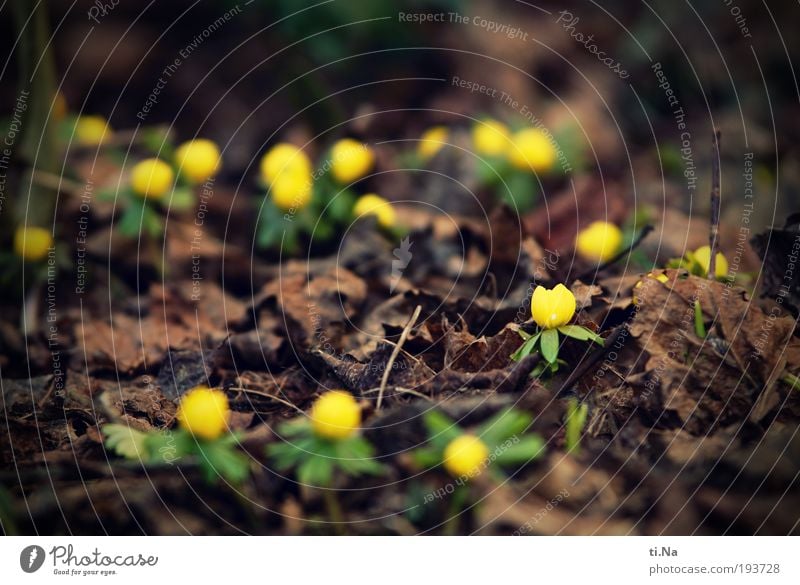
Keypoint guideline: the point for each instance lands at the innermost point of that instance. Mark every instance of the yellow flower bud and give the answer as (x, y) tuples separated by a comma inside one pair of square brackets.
[(703, 257), (661, 277), (599, 242), (465, 456), (431, 141), (350, 160), (32, 243), (152, 178), (372, 204), (91, 130), (532, 150), (284, 158), (552, 308), (204, 413), (198, 160), (335, 415), (291, 192), (490, 138)]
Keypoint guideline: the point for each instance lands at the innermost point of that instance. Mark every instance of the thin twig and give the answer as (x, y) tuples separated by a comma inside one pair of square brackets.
[(395, 352), (637, 240), (401, 390), (716, 203), (590, 361), (265, 395)]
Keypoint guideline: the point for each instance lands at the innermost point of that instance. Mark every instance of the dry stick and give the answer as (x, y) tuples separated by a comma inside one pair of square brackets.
[(593, 358), (265, 395), (716, 203), (638, 240), (395, 352)]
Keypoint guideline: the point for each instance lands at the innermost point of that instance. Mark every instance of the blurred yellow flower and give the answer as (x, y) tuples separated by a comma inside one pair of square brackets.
[(552, 308), (350, 160), (204, 412), (32, 243), (465, 456), (284, 159), (291, 192), (531, 149), (599, 242), (92, 130), (198, 160), (152, 178), (703, 257), (373, 204), (431, 141), (490, 138), (335, 415)]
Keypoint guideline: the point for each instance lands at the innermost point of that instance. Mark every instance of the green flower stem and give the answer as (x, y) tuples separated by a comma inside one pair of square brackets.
[(334, 509)]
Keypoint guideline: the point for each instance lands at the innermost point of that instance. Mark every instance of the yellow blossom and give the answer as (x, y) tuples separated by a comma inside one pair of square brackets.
[(703, 257), (350, 160), (291, 192), (198, 160), (532, 149), (204, 412), (335, 415), (552, 308), (431, 141), (465, 456), (490, 138), (152, 178), (373, 204), (599, 242), (32, 243), (91, 130), (284, 159)]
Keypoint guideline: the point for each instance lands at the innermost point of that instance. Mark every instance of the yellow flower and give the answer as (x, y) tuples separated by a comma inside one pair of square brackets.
[(431, 141), (335, 415), (465, 456), (284, 159), (291, 192), (91, 130), (599, 242), (204, 413), (552, 308), (198, 160), (531, 149), (373, 204), (32, 243), (350, 160), (703, 257), (637, 287), (490, 138), (152, 178)]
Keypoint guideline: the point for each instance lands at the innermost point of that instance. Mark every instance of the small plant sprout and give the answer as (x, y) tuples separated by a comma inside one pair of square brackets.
[(432, 141), (150, 181), (197, 160), (350, 160), (203, 436), (552, 310), (599, 242), (326, 441), (32, 244), (575, 421), (638, 288), (375, 205), (697, 263)]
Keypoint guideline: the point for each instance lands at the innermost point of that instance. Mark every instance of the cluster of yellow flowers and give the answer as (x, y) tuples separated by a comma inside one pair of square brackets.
[(195, 160), (528, 149)]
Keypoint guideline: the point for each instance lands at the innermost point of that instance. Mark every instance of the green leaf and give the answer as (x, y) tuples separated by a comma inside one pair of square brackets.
[(168, 445), (520, 191), (221, 459), (699, 324), (504, 425), (549, 345), (526, 348), (316, 471), (575, 421), (126, 441), (182, 199), (527, 449), (131, 219), (427, 457), (440, 428), (355, 457), (580, 333)]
